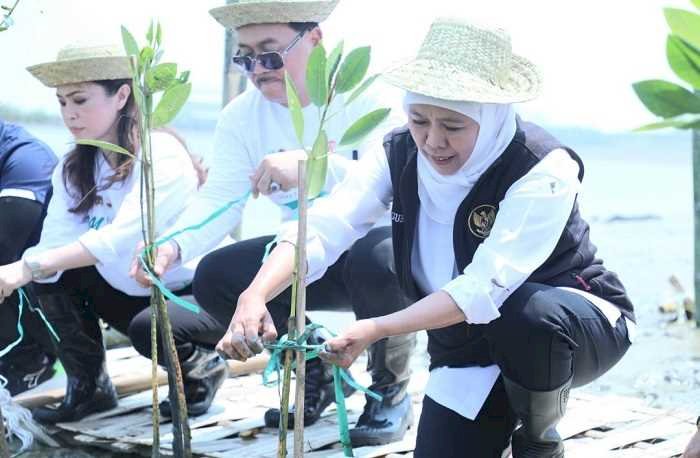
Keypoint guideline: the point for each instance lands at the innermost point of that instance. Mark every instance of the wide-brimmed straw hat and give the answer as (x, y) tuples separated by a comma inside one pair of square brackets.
[(462, 61), (247, 12), (78, 63)]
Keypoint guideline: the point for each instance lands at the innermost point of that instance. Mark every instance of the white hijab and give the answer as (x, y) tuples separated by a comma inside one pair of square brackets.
[(441, 195)]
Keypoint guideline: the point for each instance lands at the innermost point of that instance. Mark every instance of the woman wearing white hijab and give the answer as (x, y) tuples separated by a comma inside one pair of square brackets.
[(488, 241)]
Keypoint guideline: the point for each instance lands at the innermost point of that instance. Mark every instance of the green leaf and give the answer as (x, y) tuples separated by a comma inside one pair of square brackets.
[(159, 34), (316, 82), (106, 146), (696, 3), (130, 45), (157, 57), (680, 122), (145, 58), (294, 106), (333, 62), (363, 126), (353, 69), (317, 166), (150, 34), (363, 87), (184, 76), (160, 77), (170, 104), (139, 97), (666, 99), (685, 24), (684, 60)]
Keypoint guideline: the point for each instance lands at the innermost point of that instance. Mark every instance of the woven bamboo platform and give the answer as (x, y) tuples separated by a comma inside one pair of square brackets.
[(594, 427)]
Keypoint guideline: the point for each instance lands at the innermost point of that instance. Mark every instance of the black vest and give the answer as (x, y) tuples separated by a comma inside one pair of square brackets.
[(572, 263)]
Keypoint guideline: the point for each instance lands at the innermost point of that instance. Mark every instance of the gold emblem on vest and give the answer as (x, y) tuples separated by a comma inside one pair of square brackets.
[(481, 220)]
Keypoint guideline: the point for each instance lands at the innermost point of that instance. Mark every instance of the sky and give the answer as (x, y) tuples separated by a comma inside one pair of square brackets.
[(590, 53)]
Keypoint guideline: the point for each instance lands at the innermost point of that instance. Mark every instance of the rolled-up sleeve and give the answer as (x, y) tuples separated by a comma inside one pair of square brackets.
[(528, 226)]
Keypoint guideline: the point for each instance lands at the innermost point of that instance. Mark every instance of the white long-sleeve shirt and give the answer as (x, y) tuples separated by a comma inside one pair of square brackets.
[(112, 228), (528, 225), (250, 128)]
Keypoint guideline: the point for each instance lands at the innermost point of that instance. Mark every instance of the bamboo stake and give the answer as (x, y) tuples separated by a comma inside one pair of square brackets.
[(300, 315), (4, 450), (181, 431), (696, 217)]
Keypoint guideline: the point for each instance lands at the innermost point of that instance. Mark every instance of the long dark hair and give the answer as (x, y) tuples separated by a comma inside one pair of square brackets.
[(79, 165)]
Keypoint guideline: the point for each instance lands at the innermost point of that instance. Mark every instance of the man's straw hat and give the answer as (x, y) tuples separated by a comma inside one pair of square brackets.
[(461, 61), (80, 63), (247, 12)]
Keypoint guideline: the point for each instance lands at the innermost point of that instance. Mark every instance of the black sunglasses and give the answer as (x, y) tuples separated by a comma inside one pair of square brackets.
[(273, 60)]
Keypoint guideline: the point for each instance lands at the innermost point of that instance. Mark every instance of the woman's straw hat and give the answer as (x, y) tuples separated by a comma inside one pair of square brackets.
[(80, 63), (247, 12), (461, 61)]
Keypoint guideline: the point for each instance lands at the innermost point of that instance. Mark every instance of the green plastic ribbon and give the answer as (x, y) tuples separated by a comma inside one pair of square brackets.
[(20, 329), (275, 366)]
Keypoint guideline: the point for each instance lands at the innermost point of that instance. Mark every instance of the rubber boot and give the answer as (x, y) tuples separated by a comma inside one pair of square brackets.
[(388, 420), (539, 413), (319, 391), (80, 350), (203, 372), (25, 367)]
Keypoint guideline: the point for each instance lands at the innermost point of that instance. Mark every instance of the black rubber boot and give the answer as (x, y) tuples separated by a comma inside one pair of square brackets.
[(319, 391), (88, 387), (203, 372), (25, 367), (387, 421), (539, 413)]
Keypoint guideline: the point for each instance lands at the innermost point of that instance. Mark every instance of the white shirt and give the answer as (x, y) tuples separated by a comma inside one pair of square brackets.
[(250, 128), (112, 228), (534, 209)]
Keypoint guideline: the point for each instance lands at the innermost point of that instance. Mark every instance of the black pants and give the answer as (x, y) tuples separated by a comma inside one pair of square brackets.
[(131, 315), (543, 337), (362, 280), (36, 340)]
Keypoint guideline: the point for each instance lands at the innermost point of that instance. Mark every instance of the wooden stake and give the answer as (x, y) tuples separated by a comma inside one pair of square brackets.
[(300, 316), (696, 213)]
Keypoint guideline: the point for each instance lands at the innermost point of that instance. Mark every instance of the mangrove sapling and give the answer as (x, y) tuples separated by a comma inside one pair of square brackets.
[(678, 106), (327, 77), (152, 78)]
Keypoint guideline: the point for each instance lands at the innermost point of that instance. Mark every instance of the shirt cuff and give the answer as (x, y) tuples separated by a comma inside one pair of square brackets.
[(470, 296)]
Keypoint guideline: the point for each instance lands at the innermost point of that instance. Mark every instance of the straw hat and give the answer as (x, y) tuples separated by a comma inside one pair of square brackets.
[(461, 61), (247, 12), (80, 63)]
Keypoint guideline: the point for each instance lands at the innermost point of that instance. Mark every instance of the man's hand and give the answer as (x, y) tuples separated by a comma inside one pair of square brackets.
[(281, 168), (693, 448), (12, 277), (250, 321), (166, 255), (344, 349)]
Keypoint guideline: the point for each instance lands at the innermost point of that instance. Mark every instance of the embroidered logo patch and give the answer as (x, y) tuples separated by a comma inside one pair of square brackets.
[(481, 220)]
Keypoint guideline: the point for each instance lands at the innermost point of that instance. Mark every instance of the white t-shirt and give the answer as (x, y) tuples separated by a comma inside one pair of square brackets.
[(251, 127), (112, 228)]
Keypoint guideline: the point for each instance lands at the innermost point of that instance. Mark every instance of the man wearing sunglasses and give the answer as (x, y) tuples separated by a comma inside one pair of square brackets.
[(256, 149)]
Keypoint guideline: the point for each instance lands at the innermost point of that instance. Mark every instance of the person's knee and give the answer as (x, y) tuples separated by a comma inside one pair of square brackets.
[(530, 316), (140, 333)]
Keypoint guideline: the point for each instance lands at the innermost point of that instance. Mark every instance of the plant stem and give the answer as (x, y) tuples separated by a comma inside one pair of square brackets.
[(300, 314)]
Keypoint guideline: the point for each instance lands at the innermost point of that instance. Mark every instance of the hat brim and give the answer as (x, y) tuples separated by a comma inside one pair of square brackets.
[(241, 14), (53, 74), (447, 82)]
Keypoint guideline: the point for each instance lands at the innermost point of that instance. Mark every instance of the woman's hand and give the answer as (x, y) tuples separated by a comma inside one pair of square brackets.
[(250, 321), (12, 277), (345, 349)]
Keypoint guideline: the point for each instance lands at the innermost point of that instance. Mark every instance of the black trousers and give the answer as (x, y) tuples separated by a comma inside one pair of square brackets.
[(362, 280), (131, 315), (544, 336), (36, 340)]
